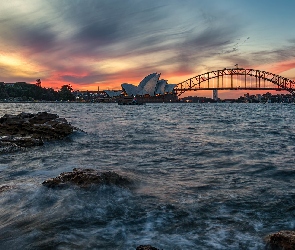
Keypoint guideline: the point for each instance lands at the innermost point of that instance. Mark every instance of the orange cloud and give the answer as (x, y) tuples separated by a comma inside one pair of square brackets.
[(284, 68)]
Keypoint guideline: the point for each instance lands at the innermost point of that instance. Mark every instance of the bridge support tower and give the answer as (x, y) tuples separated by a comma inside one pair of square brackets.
[(215, 94)]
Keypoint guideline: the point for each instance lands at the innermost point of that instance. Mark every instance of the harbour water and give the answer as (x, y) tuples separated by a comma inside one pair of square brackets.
[(207, 176)]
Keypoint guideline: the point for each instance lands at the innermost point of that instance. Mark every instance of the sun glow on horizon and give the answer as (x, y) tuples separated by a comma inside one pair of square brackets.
[(17, 66)]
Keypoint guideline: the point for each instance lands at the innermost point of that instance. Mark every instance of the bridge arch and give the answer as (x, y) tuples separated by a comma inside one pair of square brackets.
[(263, 80)]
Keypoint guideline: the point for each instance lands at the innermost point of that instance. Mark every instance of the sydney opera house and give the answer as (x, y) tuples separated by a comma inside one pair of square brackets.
[(150, 89), (151, 85)]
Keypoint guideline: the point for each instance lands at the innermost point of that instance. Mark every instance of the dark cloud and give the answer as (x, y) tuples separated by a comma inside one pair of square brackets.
[(86, 80), (26, 30), (271, 56), (105, 22), (200, 46), (38, 37), (97, 34), (285, 53)]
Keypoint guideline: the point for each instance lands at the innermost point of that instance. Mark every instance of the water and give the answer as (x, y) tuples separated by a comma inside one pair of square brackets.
[(208, 176)]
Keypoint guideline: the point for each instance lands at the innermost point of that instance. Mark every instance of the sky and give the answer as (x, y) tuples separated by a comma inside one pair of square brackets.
[(93, 44)]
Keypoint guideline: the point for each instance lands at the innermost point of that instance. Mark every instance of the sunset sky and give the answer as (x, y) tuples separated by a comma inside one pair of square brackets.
[(91, 43)]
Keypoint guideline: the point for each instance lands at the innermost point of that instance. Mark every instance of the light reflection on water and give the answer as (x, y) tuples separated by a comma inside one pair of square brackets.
[(213, 176)]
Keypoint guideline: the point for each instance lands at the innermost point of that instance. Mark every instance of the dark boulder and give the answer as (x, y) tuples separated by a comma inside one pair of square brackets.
[(283, 240), (86, 178), (27, 130), (4, 188)]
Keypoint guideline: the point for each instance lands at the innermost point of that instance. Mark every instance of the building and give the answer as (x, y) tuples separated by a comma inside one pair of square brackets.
[(151, 89), (91, 96), (151, 85)]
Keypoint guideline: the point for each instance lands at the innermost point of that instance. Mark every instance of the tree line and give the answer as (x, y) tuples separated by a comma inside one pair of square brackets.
[(31, 92)]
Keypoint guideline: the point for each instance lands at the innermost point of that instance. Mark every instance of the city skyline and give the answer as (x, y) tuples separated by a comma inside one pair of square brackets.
[(108, 42)]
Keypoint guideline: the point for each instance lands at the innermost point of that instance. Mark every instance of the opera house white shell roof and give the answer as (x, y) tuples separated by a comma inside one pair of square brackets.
[(150, 85)]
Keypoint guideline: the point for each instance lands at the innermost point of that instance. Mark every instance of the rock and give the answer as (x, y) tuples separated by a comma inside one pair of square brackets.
[(86, 178), (25, 141), (27, 130), (7, 147), (4, 188), (146, 247), (283, 240)]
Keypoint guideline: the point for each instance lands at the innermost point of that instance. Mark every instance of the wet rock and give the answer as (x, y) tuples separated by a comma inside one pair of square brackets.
[(146, 247), (283, 240), (25, 141), (86, 178), (7, 147), (27, 130), (4, 188)]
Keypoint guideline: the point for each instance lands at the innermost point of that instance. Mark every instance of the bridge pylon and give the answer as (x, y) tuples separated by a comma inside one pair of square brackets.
[(215, 94)]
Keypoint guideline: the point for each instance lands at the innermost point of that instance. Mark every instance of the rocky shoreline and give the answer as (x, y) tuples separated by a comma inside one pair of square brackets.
[(283, 240), (28, 130)]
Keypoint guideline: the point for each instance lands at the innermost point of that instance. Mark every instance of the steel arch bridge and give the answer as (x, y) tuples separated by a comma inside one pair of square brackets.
[(236, 79)]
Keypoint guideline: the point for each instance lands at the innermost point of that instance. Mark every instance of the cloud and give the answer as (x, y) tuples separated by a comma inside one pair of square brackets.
[(272, 56), (73, 40), (207, 44)]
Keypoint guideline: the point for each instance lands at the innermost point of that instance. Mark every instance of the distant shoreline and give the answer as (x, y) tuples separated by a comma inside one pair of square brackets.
[(179, 102)]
